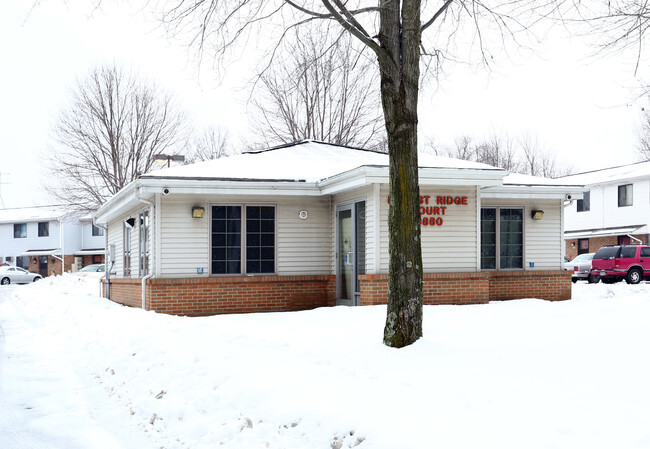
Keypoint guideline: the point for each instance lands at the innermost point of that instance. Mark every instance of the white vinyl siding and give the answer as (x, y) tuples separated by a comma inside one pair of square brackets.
[(303, 246), (451, 247), (116, 237), (543, 239), (604, 211), (185, 241)]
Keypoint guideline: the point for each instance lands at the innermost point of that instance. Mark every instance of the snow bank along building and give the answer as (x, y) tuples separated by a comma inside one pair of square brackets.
[(41, 238), (305, 225), (613, 210)]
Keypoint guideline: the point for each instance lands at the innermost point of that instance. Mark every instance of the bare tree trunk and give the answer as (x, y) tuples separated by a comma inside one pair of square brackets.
[(400, 74)]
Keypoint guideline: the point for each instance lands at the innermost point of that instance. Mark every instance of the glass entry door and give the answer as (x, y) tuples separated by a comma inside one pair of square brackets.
[(350, 251)]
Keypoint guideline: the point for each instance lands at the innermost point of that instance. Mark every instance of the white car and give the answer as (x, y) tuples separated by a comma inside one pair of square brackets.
[(94, 270), (17, 275), (581, 267)]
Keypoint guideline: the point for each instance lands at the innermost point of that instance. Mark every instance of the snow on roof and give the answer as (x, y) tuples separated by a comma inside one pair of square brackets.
[(528, 180), (308, 161), (610, 175), (37, 213)]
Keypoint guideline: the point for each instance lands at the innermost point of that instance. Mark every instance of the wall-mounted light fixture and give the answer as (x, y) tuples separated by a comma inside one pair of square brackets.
[(129, 222), (537, 214), (303, 214), (197, 212)]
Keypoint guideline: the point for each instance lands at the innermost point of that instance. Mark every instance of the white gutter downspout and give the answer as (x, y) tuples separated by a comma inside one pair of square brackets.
[(107, 269), (151, 252), (634, 238)]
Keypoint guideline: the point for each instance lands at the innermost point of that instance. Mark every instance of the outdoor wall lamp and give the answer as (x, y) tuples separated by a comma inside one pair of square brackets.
[(197, 212), (129, 222), (537, 214)]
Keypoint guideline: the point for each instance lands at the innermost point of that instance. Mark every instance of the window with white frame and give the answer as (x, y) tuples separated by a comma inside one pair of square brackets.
[(43, 229), (242, 239), (502, 238), (625, 195), (144, 242), (97, 231), (20, 230), (127, 250), (584, 205)]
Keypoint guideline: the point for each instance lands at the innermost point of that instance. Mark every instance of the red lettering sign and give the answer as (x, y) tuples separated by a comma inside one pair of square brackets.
[(430, 214)]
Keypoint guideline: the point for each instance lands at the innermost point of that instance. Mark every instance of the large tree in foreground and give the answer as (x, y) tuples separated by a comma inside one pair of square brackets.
[(392, 30), (108, 135)]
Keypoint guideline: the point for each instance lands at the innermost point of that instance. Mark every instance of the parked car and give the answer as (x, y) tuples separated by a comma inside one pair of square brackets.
[(581, 267), (94, 270), (615, 263), (17, 275), (96, 267)]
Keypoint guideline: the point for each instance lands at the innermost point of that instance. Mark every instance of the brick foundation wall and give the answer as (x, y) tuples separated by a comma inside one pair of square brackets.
[(212, 296), (596, 243), (126, 291), (476, 288), (549, 285), (439, 288), (215, 295)]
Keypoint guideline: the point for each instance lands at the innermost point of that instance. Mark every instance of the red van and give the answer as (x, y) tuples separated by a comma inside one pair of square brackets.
[(615, 263)]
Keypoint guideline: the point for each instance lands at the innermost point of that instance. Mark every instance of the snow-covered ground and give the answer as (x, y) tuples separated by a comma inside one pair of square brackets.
[(77, 371)]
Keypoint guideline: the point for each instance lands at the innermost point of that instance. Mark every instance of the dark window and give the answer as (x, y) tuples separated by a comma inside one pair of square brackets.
[(607, 252), (226, 239), (22, 262), (583, 246), (511, 237), (44, 229), (243, 237), (127, 250), (625, 195), (502, 243), (583, 205), (488, 239), (628, 252), (260, 239), (645, 252), (623, 240), (144, 243), (97, 231), (20, 230)]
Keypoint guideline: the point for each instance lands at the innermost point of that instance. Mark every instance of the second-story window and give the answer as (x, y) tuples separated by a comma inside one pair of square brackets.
[(583, 205), (625, 195), (20, 230), (44, 229), (97, 231)]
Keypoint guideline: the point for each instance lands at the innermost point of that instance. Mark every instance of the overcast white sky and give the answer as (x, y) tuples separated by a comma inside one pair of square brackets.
[(585, 111)]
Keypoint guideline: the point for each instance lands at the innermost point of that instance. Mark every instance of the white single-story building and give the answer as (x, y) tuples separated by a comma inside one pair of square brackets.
[(304, 225)]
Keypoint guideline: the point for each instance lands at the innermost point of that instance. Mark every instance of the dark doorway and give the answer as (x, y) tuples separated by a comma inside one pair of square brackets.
[(42, 265), (583, 246)]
